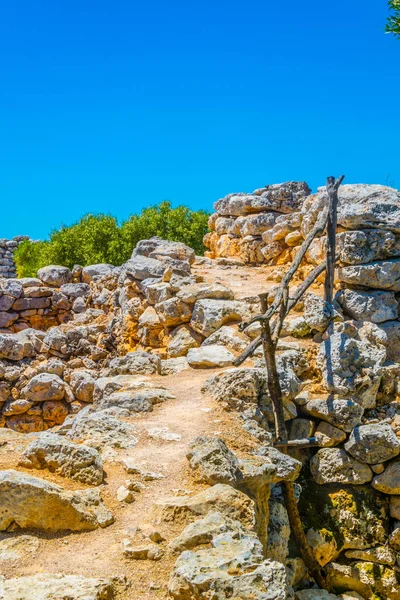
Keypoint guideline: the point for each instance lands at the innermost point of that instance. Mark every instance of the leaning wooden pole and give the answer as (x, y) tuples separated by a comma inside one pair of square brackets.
[(332, 187)]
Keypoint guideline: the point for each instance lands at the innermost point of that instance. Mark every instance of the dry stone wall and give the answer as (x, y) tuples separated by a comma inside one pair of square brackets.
[(7, 249)]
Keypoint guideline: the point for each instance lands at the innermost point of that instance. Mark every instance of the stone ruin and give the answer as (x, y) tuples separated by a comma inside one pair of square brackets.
[(83, 352), (7, 249)]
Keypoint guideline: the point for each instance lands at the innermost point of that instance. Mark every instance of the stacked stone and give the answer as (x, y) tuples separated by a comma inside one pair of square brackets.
[(7, 249), (369, 253), (261, 227)]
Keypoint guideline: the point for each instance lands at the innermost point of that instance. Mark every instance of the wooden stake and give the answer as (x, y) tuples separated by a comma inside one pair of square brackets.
[(332, 187)]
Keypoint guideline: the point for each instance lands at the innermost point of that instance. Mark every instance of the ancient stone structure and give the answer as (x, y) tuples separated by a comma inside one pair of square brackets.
[(86, 356), (7, 249)]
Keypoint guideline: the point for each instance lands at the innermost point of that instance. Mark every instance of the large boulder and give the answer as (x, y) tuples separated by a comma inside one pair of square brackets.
[(368, 306), (11, 347), (156, 247), (59, 455), (173, 312), (381, 275), (373, 444), (341, 413), (210, 315), (133, 394), (182, 339), (210, 356), (388, 482), (284, 197), (200, 291), (30, 502), (134, 363), (54, 275), (45, 586), (44, 387), (142, 267), (91, 272), (360, 206)]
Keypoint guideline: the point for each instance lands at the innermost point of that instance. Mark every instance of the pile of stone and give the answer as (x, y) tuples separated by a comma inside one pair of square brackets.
[(7, 249), (261, 227)]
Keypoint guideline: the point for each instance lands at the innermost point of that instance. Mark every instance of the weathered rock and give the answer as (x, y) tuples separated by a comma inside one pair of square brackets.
[(157, 247), (44, 387), (327, 435), (283, 197), (135, 363), (318, 313), (228, 337), (15, 548), (360, 206), (91, 272), (373, 444), (366, 578), (368, 306), (59, 455), (30, 502), (55, 275), (323, 545), (334, 465), (142, 267), (382, 275), (82, 385), (315, 594), (171, 366), (209, 356), (202, 531), (344, 414), (391, 330), (381, 554), (200, 291), (132, 393), (213, 462), (220, 497), (182, 339), (278, 531), (389, 481), (173, 312), (210, 315), (11, 347), (46, 586), (99, 429)]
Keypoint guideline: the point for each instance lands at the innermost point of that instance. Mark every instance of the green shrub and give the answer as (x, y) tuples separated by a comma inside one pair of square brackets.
[(99, 238)]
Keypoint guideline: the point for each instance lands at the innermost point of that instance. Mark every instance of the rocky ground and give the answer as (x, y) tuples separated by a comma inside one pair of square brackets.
[(137, 462)]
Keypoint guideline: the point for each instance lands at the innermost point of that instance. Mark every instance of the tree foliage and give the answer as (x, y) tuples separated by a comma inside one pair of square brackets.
[(99, 238), (393, 22)]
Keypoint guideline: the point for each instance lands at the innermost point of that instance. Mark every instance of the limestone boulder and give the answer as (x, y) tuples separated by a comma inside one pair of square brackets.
[(220, 497), (182, 339), (341, 413), (376, 307), (202, 532), (212, 462), (327, 435), (254, 225), (318, 313), (46, 586), (228, 337), (44, 387), (190, 294), (334, 465), (373, 443), (11, 347), (92, 272), (210, 315), (75, 290), (54, 275), (381, 275), (63, 457), (134, 363), (391, 331), (173, 312), (30, 502), (156, 247), (284, 198), (388, 482), (142, 267), (209, 356), (98, 429), (361, 206), (366, 578), (82, 385)]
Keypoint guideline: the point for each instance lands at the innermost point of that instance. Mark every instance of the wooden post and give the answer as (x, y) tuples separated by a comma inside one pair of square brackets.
[(332, 186)]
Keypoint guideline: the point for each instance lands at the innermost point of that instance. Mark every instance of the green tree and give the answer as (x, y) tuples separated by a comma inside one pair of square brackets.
[(393, 21), (99, 238)]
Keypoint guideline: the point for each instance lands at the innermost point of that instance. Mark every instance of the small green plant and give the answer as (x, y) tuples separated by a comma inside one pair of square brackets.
[(99, 238)]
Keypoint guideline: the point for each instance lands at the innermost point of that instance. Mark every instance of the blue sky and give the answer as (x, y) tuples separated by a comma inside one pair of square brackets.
[(112, 106)]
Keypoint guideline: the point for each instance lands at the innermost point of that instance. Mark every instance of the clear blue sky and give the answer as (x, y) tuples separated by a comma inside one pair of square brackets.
[(109, 106)]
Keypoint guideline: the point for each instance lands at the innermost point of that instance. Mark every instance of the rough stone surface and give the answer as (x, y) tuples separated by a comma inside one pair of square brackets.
[(373, 444), (55, 275), (46, 586), (30, 502), (376, 307), (389, 481), (344, 414), (61, 456), (210, 356), (334, 465)]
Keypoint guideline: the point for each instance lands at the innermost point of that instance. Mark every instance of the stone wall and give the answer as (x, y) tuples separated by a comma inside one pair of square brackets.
[(7, 249)]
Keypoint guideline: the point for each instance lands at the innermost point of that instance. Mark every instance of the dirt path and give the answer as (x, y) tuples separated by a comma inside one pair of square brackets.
[(99, 553)]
